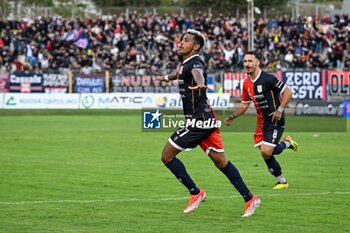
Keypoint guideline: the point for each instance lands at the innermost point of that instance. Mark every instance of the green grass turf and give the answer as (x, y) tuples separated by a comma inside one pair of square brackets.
[(95, 171)]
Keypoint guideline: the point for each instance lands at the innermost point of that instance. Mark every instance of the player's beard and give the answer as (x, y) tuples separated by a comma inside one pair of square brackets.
[(249, 70)]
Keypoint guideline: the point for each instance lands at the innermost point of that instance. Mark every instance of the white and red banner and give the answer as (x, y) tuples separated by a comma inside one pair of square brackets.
[(26, 83), (338, 83), (55, 83)]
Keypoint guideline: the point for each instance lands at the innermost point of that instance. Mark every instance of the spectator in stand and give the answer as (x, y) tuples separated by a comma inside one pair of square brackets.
[(229, 53), (149, 41)]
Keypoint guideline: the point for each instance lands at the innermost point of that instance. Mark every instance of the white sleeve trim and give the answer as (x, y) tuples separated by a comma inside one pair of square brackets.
[(285, 85)]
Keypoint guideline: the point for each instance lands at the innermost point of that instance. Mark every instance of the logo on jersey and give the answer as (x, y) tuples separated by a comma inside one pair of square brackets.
[(259, 88), (151, 120)]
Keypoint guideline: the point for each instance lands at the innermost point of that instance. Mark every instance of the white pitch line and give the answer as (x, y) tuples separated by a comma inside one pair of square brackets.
[(169, 198)]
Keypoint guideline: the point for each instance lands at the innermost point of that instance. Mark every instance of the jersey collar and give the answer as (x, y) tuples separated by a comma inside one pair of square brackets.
[(190, 58), (257, 77)]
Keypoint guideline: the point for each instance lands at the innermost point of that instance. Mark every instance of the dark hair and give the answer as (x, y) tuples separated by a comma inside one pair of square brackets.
[(255, 53), (198, 37)]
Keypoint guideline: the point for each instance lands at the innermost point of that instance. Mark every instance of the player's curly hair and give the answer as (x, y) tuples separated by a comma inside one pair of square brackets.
[(199, 38)]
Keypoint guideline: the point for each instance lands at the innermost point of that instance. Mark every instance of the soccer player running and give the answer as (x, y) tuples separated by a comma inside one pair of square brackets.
[(192, 78), (265, 91)]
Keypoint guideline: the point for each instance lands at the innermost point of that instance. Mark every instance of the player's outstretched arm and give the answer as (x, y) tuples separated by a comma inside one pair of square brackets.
[(199, 78), (239, 111), (166, 78)]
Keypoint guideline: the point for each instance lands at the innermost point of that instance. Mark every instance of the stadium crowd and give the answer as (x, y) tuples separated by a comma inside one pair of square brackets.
[(145, 41)]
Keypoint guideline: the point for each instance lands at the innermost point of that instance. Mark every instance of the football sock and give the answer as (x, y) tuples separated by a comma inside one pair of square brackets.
[(281, 179), (287, 144), (273, 166), (179, 170), (235, 178), (279, 148)]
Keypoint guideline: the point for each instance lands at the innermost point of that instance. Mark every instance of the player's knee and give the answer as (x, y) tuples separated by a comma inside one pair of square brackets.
[(166, 156), (266, 152), (219, 159), (265, 156), (219, 164), (165, 160)]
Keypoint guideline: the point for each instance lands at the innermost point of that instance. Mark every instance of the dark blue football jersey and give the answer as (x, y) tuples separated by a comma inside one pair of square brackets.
[(195, 103), (264, 91)]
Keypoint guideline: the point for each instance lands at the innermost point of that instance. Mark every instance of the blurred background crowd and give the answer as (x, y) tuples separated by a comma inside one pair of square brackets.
[(147, 41)]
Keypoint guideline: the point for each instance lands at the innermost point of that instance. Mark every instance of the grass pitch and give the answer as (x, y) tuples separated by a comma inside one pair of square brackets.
[(95, 171)]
